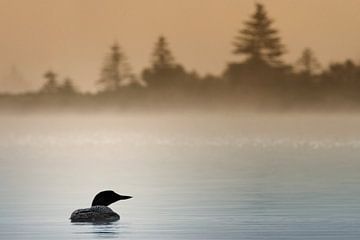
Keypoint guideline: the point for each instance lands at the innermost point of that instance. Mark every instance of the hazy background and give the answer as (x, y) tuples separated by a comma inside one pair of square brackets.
[(72, 36)]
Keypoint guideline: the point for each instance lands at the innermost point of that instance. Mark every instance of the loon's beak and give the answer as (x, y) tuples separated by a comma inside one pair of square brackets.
[(123, 197)]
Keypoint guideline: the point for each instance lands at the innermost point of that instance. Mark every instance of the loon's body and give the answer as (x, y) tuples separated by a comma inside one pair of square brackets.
[(99, 210)]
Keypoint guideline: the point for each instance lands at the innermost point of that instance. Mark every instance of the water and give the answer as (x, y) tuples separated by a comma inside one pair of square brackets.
[(199, 176)]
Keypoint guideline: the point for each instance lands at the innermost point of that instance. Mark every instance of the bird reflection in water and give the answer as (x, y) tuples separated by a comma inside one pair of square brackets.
[(99, 230)]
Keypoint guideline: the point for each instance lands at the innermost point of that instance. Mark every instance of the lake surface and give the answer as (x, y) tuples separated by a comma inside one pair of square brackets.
[(195, 176)]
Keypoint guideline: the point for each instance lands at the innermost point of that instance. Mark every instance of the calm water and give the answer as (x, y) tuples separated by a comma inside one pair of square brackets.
[(201, 176)]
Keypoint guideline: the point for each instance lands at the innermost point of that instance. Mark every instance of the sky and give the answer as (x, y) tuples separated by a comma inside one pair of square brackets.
[(72, 37)]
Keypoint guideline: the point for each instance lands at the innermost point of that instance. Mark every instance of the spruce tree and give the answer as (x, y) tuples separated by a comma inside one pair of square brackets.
[(164, 71), (162, 57), (308, 64), (51, 85), (67, 87), (259, 41), (116, 70)]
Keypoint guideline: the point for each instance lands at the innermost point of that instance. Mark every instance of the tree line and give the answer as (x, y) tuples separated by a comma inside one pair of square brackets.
[(260, 75)]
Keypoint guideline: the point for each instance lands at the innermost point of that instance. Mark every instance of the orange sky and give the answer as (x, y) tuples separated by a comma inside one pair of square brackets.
[(72, 36)]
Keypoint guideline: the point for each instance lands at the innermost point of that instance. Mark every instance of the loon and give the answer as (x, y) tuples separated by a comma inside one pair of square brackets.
[(99, 210)]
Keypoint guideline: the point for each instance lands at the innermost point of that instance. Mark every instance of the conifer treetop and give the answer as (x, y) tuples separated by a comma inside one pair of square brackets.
[(258, 40), (162, 56)]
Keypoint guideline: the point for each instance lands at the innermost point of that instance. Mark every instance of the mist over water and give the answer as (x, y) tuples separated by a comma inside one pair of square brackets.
[(193, 175)]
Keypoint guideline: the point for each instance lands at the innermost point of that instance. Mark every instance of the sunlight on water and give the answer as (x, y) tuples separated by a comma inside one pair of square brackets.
[(197, 176)]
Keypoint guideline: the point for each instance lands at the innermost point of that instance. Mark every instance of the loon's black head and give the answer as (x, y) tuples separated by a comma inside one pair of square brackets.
[(106, 198)]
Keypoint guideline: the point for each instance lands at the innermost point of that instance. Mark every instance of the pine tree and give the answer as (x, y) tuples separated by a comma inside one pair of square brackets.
[(164, 70), (115, 71), (162, 57), (308, 64), (67, 87), (51, 85), (259, 41)]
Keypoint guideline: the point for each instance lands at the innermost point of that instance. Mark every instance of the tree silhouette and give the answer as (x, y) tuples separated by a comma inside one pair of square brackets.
[(259, 41), (67, 87), (51, 85), (115, 71), (343, 73), (308, 64), (164, 70), (162, 57)]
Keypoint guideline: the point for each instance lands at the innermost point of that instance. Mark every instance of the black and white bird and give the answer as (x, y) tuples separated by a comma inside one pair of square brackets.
[(99, 210)]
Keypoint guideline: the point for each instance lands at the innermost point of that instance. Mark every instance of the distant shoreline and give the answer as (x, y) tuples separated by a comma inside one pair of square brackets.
[(168, 101)]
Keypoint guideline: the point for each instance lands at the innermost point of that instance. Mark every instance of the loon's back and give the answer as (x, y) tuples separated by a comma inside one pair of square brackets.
[(94, 214), (99, 212)]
